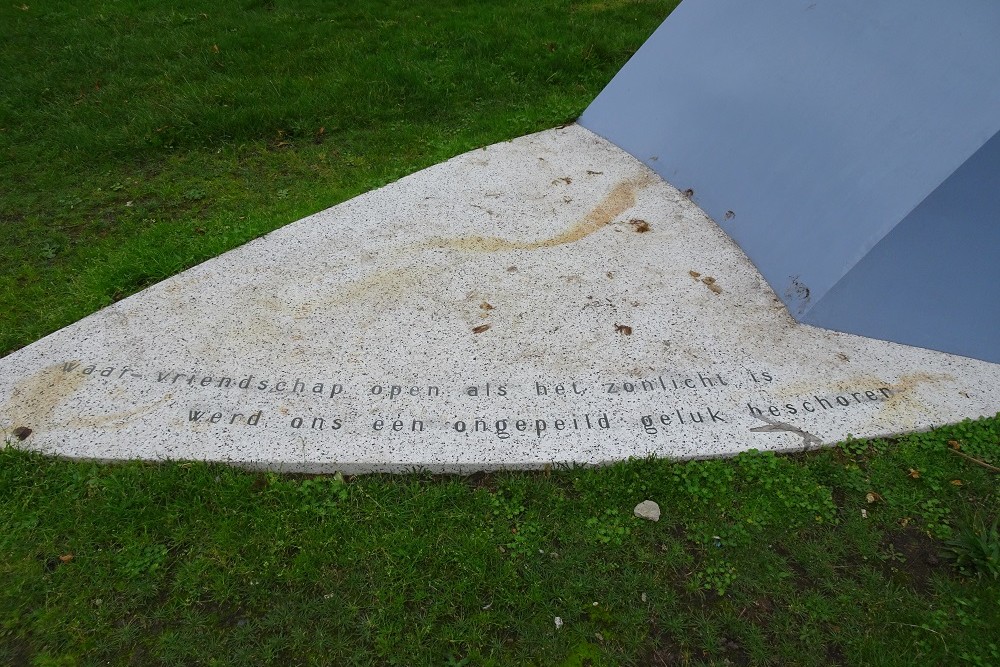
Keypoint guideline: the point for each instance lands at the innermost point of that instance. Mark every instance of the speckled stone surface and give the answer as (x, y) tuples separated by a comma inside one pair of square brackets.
[(540, 301)]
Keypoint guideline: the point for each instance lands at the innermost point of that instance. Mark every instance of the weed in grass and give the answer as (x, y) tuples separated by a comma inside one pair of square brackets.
[(608, 528), (935, 516), (717, 576), (319, 495), (975, 549), (525, 540)]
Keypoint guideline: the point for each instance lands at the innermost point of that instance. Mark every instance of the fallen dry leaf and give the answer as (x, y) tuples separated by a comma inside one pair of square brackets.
[(640, 226), (694, 274), (66, 558), (872, 497), (954, 444), (623, 329), (485, 306), (956, 482), (914, 473), (480, 329)]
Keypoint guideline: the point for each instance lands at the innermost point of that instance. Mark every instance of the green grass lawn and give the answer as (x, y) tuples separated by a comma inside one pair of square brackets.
[(837, 557), (139, 139)]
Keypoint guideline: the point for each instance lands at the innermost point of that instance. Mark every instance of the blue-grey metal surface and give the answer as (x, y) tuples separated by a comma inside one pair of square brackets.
[(934, 280), (829, 137)]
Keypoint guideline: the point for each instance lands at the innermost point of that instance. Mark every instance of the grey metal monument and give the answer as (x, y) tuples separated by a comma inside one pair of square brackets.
[(851, 148)]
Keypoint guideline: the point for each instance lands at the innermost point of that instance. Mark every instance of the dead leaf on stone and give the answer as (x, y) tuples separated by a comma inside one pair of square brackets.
[(480, 329), (485, 306), (640, 226), (710, 283), (694, 274), (623, 329), (594, 173), (22, 432)]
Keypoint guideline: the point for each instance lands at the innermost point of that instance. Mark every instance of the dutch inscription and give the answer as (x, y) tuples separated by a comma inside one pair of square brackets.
[(668, 417)]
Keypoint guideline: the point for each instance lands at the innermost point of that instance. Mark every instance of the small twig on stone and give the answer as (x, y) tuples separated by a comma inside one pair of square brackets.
[(773, 426)]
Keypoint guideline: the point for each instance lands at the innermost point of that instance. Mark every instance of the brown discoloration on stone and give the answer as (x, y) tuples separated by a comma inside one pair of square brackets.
[(904, 403), (620, 199), (36, 397), (902, 406), (35, 401), (389, 286), (115, 420)]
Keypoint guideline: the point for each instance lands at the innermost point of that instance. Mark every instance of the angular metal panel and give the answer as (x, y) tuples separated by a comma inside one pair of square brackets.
[(809, 129)]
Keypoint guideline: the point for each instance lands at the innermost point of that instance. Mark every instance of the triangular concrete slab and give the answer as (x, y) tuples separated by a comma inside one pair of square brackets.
[(545, 300)]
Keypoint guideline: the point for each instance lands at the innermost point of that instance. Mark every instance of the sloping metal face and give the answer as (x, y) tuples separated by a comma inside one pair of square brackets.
[(934, 280), (818, 131)]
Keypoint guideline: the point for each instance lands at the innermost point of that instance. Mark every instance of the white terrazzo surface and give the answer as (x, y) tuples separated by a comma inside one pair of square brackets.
[(348, 340)]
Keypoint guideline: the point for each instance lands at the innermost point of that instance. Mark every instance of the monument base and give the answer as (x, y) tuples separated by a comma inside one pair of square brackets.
[(542, 301)]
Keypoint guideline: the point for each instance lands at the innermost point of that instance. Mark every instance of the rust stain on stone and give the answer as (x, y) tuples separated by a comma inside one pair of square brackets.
[(35, 400), (36, 397), (116, 420), (903, 401), (620, 199), (388, 285), (902, 405)]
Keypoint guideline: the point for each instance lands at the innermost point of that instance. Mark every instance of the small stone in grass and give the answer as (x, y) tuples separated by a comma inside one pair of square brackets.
[(647, 509)]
